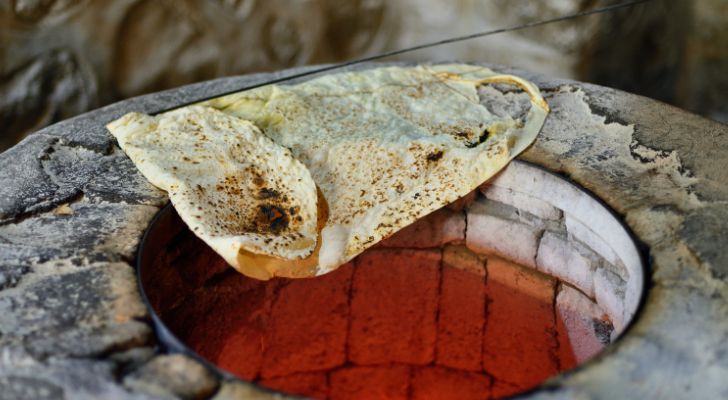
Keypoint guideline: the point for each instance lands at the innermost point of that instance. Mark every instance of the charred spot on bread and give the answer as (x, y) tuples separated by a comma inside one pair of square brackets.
[(268, 193), (434, 156), (271, 218)]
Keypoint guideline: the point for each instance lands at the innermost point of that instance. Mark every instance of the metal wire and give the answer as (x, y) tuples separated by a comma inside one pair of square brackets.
[(456, 39)]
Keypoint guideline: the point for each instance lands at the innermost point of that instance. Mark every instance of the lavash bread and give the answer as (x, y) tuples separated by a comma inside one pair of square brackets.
[(383, 147), (233, 186)]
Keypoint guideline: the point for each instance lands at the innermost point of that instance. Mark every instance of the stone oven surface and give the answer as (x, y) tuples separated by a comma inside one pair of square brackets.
[(73, 208)]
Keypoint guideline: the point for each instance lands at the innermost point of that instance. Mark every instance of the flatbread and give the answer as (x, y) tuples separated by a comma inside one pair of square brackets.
[(384, 147), (233, 186)]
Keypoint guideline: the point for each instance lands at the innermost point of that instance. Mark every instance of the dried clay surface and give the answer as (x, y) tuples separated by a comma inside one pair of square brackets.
[(73, 209)]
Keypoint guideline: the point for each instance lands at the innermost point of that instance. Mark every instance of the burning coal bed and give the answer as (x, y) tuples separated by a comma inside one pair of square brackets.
[(525, 278)]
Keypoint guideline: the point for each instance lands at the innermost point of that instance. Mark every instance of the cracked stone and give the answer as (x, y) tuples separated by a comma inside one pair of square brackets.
[(10, 275), (173, 376), (24, 187), (22, 377), (101, 177), (79, 311), (703, 230), (238, 390), (110, 229), (666, 128), (133, 358), (117, 180), (69, 167)]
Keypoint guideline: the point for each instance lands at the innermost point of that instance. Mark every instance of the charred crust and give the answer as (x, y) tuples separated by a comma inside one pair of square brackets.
[(481, 139), (271, 218), (434, 156), (484, 136), (268, 193)]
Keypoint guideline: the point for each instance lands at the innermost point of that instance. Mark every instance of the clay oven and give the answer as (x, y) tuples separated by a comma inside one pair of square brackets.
[(525, 278), (72, 322)]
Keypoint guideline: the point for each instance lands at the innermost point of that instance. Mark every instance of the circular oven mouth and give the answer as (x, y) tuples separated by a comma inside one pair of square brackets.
[(525, 278)]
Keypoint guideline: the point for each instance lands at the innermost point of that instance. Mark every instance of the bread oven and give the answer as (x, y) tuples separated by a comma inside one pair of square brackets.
[(525, 278), (73, 209)]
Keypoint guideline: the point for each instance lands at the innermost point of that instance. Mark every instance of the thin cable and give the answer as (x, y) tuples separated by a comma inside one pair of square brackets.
[(456, 39)]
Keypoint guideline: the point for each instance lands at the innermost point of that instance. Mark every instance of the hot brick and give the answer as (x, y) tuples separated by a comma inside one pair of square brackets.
[(224, 329), (502, 389), (381, 382), (308, 324), (309, 384), (444, 383), (394, 307), (519, 344), (462, 317)]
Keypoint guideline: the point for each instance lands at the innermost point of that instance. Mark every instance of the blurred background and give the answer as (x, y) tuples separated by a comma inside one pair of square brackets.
[(59, 58)]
